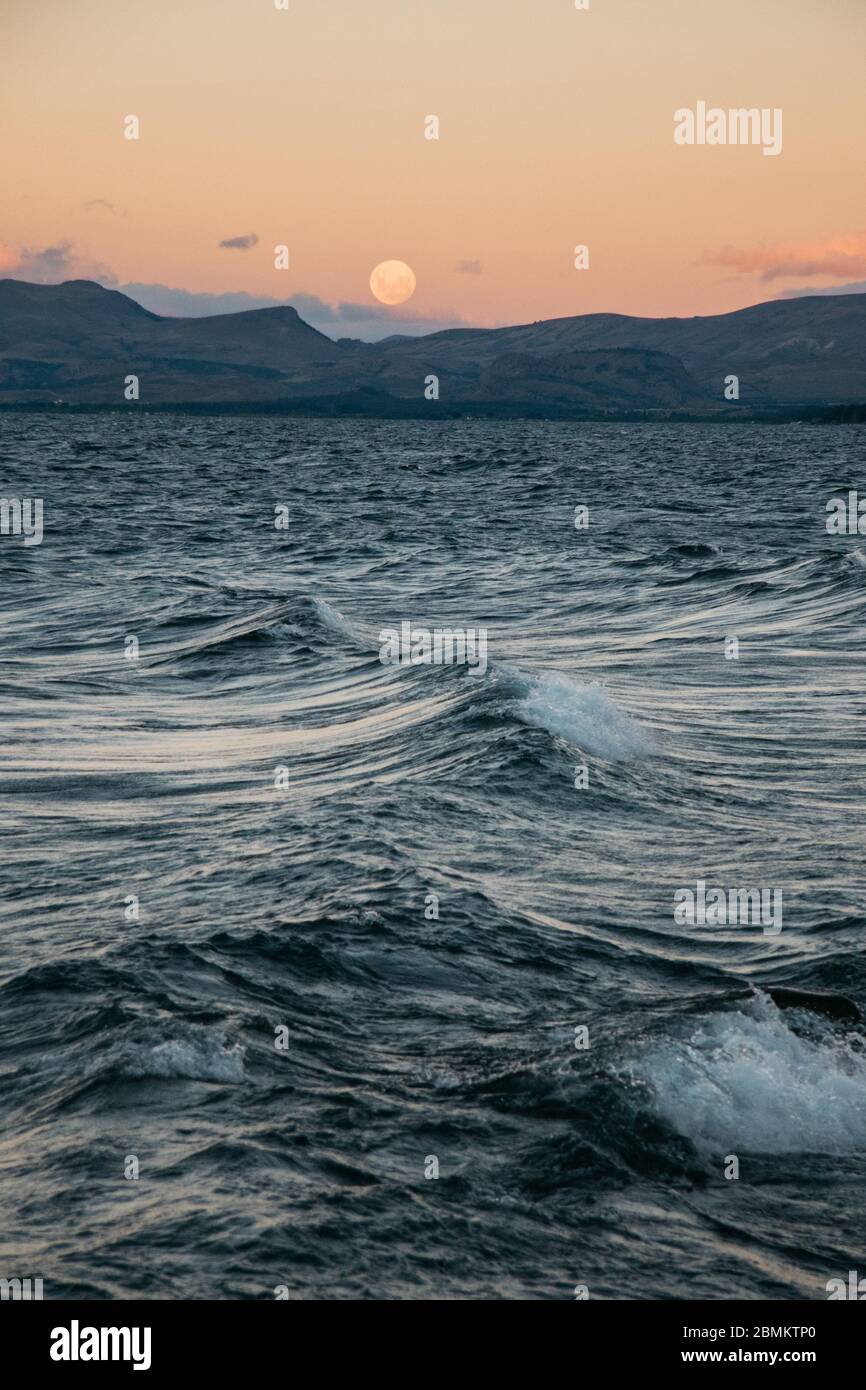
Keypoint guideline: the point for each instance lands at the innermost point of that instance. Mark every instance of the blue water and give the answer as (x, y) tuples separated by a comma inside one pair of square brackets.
[(411, 1037)]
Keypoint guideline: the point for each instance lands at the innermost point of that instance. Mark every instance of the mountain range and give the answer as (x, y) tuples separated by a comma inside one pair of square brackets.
[(75, 344)]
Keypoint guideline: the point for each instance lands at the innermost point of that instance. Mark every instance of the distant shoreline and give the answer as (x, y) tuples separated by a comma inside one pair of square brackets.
[(431, 412)]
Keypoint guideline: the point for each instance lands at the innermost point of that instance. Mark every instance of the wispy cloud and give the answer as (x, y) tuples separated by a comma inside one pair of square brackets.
[(49, 265), (468, 267), (852, 287), (839, 258), (52, 264), (240, 243), (46, 263), (101, 203)]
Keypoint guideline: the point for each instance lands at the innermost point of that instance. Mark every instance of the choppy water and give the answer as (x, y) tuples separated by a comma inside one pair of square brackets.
[(413, 1038)]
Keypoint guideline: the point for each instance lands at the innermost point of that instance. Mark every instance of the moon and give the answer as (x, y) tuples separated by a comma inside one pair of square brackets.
[(393, 282)]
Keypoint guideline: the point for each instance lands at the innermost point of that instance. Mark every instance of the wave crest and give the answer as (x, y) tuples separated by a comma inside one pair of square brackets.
[(202, 1057), (746, 1080), (584, 715)]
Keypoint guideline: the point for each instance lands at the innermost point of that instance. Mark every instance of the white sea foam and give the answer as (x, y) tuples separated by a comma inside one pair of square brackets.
[(332, 618), (202, 1058), (584, 715), (745, 1081)]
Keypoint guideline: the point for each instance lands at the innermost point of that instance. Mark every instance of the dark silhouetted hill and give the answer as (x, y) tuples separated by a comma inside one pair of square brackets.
[(76, 343)]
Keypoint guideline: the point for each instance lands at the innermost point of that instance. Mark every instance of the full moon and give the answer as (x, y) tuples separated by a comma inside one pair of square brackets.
[(393, 282)]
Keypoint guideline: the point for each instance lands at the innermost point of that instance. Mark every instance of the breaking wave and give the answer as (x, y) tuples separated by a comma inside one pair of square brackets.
[(584, 715), (747, 1081), (205, 1057)]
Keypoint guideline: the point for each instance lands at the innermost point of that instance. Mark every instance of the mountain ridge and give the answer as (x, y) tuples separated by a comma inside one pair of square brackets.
[(77, 342)]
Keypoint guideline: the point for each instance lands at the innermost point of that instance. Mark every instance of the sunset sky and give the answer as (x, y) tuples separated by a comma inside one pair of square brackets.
[(306, 128)]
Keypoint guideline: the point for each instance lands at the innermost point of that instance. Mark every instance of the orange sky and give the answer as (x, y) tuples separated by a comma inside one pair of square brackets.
[(307, 128)]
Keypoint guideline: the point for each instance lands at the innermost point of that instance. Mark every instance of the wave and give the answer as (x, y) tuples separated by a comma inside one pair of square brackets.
[(335, 621), (583, 715), (202, 1057), (747, 1081), (221, 634)]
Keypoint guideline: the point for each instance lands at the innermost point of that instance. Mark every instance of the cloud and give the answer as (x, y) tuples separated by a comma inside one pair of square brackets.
[(45, 265), (240, 243), (49, 265), (468, 267), (854, 287), (99, 203), (839, 258), (369, 322), (162, 299)]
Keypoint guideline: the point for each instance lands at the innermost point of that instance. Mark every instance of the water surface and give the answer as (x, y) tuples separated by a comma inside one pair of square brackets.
[(414, 1038)]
